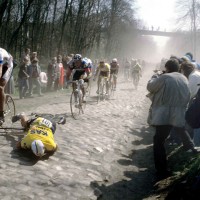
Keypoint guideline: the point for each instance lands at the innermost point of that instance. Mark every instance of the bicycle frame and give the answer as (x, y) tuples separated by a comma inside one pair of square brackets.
[(102, 88), (112, 84), (76, 100), (78, 90), (135, 79)]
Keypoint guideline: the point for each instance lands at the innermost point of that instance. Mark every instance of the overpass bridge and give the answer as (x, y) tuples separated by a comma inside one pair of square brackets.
[(162, 33)]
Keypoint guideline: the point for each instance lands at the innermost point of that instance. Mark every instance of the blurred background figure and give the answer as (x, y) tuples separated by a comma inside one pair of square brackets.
[(43, 81)]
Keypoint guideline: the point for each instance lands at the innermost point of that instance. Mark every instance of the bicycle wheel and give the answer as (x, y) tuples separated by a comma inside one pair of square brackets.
[(112, 90), (99, 95), (88, 88), (82, 103), (99, 92), (102, 91), (9, 110), (74, 105), (103, 96), (136, 81)]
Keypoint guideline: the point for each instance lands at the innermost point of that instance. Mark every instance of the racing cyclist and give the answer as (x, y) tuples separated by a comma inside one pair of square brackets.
[(40, 134), (114, 68), (103, 71), (6, 68), (136, 70), (81, 70)]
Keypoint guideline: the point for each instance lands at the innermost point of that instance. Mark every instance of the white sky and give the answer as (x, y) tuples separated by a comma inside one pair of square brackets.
[(157, 13)]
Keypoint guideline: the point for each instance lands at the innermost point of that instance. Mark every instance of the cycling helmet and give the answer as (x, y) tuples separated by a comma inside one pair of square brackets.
[(114, 60), (38, 148), (77, 57), (102, 60)]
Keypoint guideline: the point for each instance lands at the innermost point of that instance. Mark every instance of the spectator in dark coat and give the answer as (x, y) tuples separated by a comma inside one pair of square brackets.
[(34, 71), (51, 73), (23, 78)]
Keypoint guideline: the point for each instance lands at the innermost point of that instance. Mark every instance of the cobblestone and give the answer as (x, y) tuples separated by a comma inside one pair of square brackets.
[(89, 148)]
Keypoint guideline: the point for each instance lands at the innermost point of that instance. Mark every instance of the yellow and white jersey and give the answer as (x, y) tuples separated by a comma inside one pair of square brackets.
[(105, 68), (40, 129)]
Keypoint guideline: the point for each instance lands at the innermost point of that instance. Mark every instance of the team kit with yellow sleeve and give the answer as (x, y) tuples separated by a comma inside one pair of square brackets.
[(104, 71), (40, 129)]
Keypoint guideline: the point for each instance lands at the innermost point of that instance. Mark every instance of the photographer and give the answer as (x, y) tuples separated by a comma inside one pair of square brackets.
[(170, 95)]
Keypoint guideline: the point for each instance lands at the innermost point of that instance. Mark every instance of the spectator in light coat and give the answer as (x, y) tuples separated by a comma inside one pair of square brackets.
[(170, 97)]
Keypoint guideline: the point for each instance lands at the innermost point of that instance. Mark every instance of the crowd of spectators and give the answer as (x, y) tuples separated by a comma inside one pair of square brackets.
[(172, 91), (33, 80)]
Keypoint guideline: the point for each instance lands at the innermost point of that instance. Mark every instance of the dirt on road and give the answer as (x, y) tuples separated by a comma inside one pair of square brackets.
[(105, 155)]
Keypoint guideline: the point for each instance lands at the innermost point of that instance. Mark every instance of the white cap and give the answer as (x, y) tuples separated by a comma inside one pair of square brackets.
[(38, 148)]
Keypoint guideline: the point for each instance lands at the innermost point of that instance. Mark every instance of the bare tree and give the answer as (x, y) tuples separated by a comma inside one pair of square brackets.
[(189, 17), (91, 27)]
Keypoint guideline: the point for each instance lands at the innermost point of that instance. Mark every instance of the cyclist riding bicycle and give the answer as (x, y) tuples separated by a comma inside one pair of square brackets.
[(103, 71), (136, 69), (6, 68), (114, 68), (81, 70)]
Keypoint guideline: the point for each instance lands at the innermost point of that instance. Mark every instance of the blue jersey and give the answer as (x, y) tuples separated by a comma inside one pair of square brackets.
[(88, 62)]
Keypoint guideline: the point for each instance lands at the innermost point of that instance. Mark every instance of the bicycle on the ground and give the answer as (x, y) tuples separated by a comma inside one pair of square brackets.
[(9, 112), (77, 105)]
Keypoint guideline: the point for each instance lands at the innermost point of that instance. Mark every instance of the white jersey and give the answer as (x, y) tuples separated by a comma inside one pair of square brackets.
[(5, 57), (87, 62)]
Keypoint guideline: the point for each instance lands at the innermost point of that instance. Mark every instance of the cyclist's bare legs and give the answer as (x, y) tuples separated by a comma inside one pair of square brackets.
[(110, 80), (107, 86), (2, 98), (115, 80), (98, 82), (74, 86), (83, 92)]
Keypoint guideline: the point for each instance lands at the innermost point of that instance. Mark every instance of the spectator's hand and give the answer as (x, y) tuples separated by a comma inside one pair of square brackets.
[(155, 76)]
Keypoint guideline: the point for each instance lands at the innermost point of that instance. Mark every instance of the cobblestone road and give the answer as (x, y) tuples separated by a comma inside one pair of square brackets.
[(107, 154)]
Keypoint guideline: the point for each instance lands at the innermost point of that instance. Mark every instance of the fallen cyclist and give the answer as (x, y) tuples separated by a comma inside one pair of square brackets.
[(40, 134)]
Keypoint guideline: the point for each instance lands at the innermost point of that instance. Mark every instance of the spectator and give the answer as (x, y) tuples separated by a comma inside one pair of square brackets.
[(56, 75), (34, 71), (193, 76), (189, 55), (43, 81), (170, 96), (51, 73), (23, 78), (66, 60), (26, 55), (33, 56), (61, 68)]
